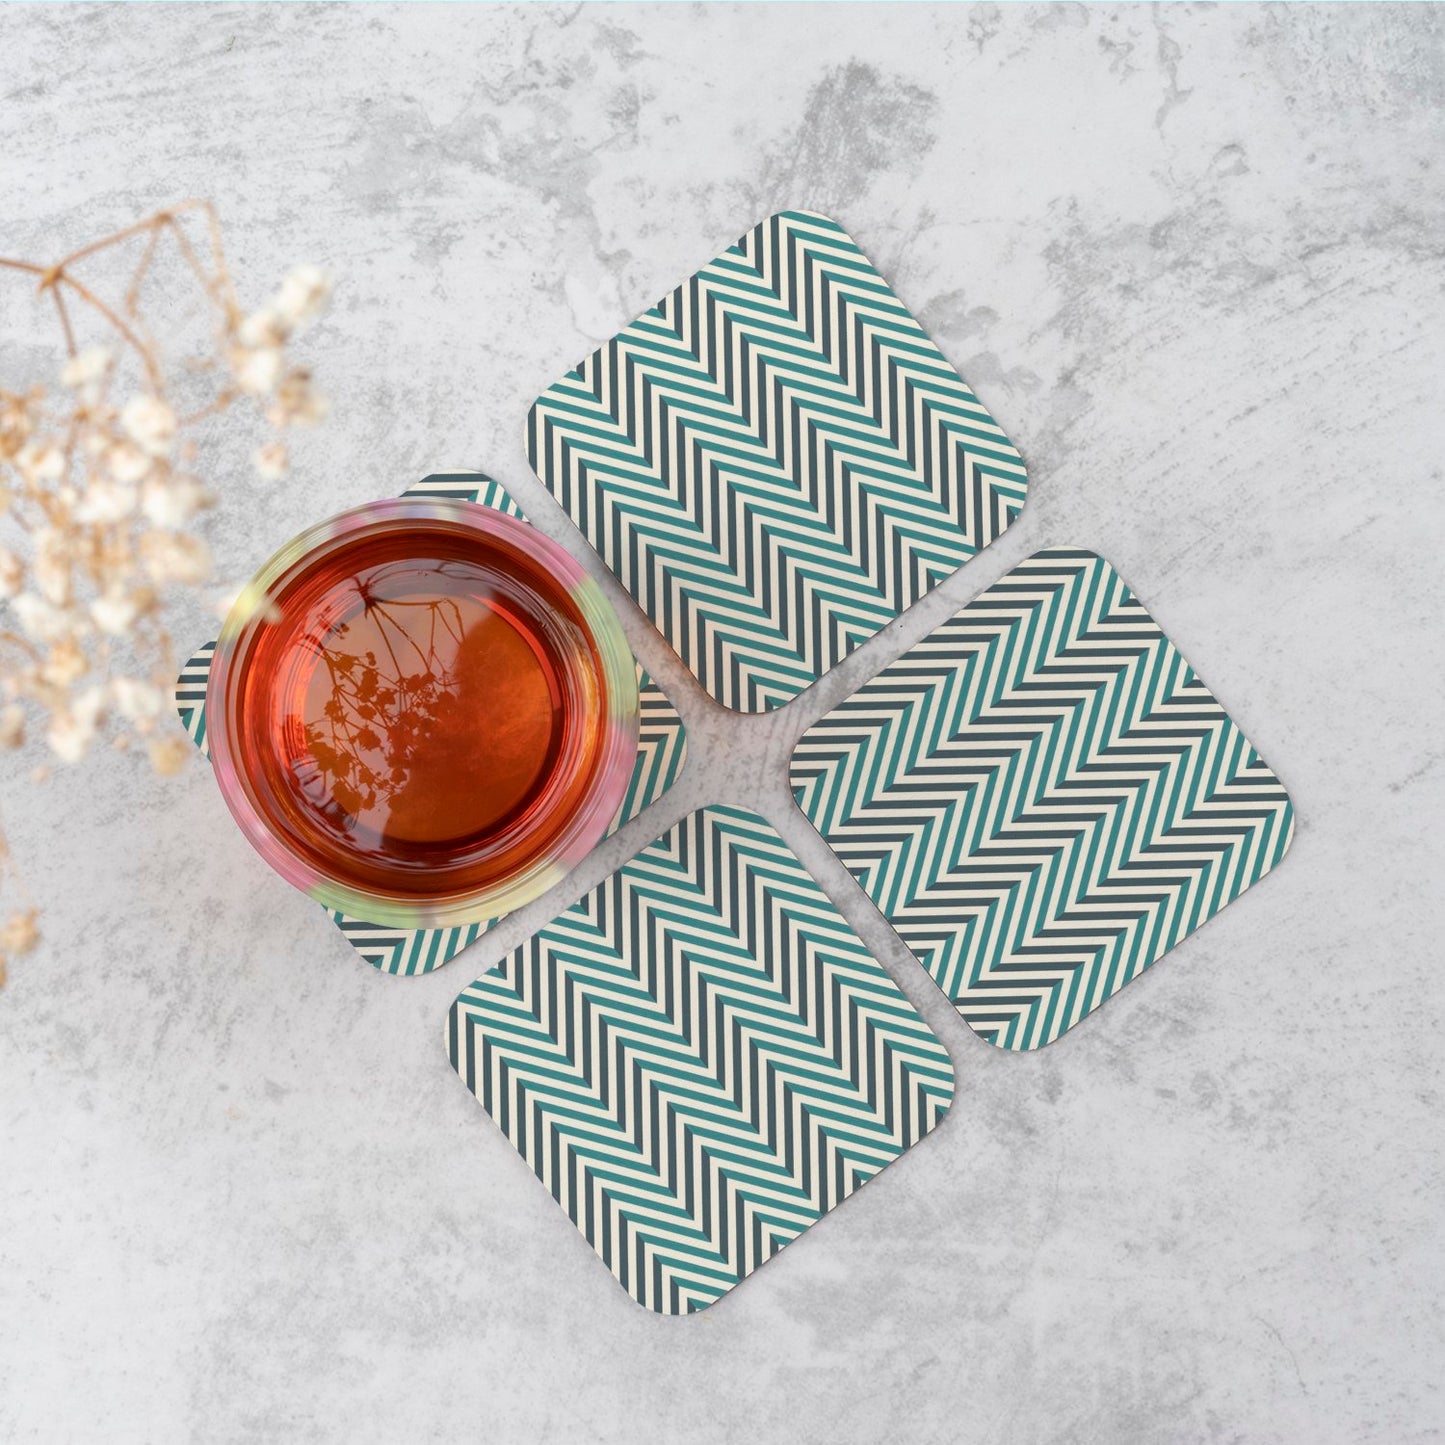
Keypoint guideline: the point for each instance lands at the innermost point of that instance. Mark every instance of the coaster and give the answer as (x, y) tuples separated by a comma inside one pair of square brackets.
[(661, 751), (1042, 798), (699, 1059), (775, 460)]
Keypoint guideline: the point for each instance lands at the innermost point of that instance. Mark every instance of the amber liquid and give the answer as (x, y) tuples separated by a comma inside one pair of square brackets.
[(410, 711), (422, 719)]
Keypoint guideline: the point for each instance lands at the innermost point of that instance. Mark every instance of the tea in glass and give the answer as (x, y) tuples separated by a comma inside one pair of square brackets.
[(423, 712)]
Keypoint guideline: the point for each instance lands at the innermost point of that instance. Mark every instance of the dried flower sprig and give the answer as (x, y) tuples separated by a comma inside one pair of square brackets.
[(100, 488)]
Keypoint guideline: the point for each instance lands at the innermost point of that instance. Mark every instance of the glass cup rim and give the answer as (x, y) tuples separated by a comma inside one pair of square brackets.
[(590, 818)]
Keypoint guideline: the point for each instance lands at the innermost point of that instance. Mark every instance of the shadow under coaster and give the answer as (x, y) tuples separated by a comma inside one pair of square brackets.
[(699, 1059), (662, 749), (775, 460), (1042, 798)]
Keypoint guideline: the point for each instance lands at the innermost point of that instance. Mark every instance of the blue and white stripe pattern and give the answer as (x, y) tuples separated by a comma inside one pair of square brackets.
[(775, 460), (1042, 797), (699, 1059)]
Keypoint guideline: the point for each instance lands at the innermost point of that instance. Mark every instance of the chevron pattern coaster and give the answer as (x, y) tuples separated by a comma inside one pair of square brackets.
[(699, 1059), (775, 460), (1042, 798), (662, 749)]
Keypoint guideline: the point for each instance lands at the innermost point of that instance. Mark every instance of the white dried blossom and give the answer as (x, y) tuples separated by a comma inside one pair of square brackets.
[(72, 729), (115, 613), (69, 739), (51, 570), (272, 461), (64, 665), (12, 574), (175, 557), (12, 725), (257, 371), (86, 371), (43, 620), (15, 424), (105, 501), (263, 328), (19, 935), (40, 461), (127, 463), (150, 424), (173, 502), (168, 755), (303, 294), (298, 403), (135, 700)]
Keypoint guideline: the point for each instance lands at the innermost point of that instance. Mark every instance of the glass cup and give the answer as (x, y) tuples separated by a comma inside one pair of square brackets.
[(423, 713)]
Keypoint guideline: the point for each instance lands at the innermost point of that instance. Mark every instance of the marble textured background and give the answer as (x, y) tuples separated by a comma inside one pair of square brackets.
[(1191, 258)]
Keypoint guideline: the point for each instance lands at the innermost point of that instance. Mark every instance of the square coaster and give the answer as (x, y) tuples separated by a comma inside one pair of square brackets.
[(699, 1059), (661, 752), (775, 460), (1042, 798)]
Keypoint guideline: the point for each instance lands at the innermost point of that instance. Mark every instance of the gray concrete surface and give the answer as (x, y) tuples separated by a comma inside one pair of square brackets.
[(1191, 258)]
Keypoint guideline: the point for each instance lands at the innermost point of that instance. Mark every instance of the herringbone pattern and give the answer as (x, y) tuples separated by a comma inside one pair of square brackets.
[(775, 460), (699, 1059), (1042, 797), (662, 748)]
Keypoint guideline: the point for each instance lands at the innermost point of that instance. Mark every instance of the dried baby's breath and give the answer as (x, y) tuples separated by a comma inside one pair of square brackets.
[(99, 487), (272, 462), (168, 755)]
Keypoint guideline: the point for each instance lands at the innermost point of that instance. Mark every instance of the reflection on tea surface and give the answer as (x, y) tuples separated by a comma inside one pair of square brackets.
[(425, 714)]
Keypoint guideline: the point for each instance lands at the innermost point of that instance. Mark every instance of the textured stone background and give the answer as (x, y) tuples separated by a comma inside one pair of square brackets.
[(1191, 258)]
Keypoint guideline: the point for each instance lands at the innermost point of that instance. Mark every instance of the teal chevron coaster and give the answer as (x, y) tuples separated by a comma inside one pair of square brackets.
[(1042, 798), (661, 752), (775, 460), (699, 1059)]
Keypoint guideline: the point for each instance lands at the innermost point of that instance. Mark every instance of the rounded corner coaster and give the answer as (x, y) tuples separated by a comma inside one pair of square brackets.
[(699, 1059), (775, 460), (1042, 798), (661, 753)]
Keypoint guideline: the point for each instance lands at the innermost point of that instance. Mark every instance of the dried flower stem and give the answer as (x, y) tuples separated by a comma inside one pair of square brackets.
[(103, 496)]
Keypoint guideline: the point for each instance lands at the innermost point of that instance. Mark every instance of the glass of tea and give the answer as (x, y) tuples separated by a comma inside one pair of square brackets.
[(423, 712)]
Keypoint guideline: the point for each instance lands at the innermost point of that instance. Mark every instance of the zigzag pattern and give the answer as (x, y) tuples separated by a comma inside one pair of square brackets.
[(775, 460), (1042, 798), (406, 951), (661, 752), (699, 1059), (190, 696), (469, 487)]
